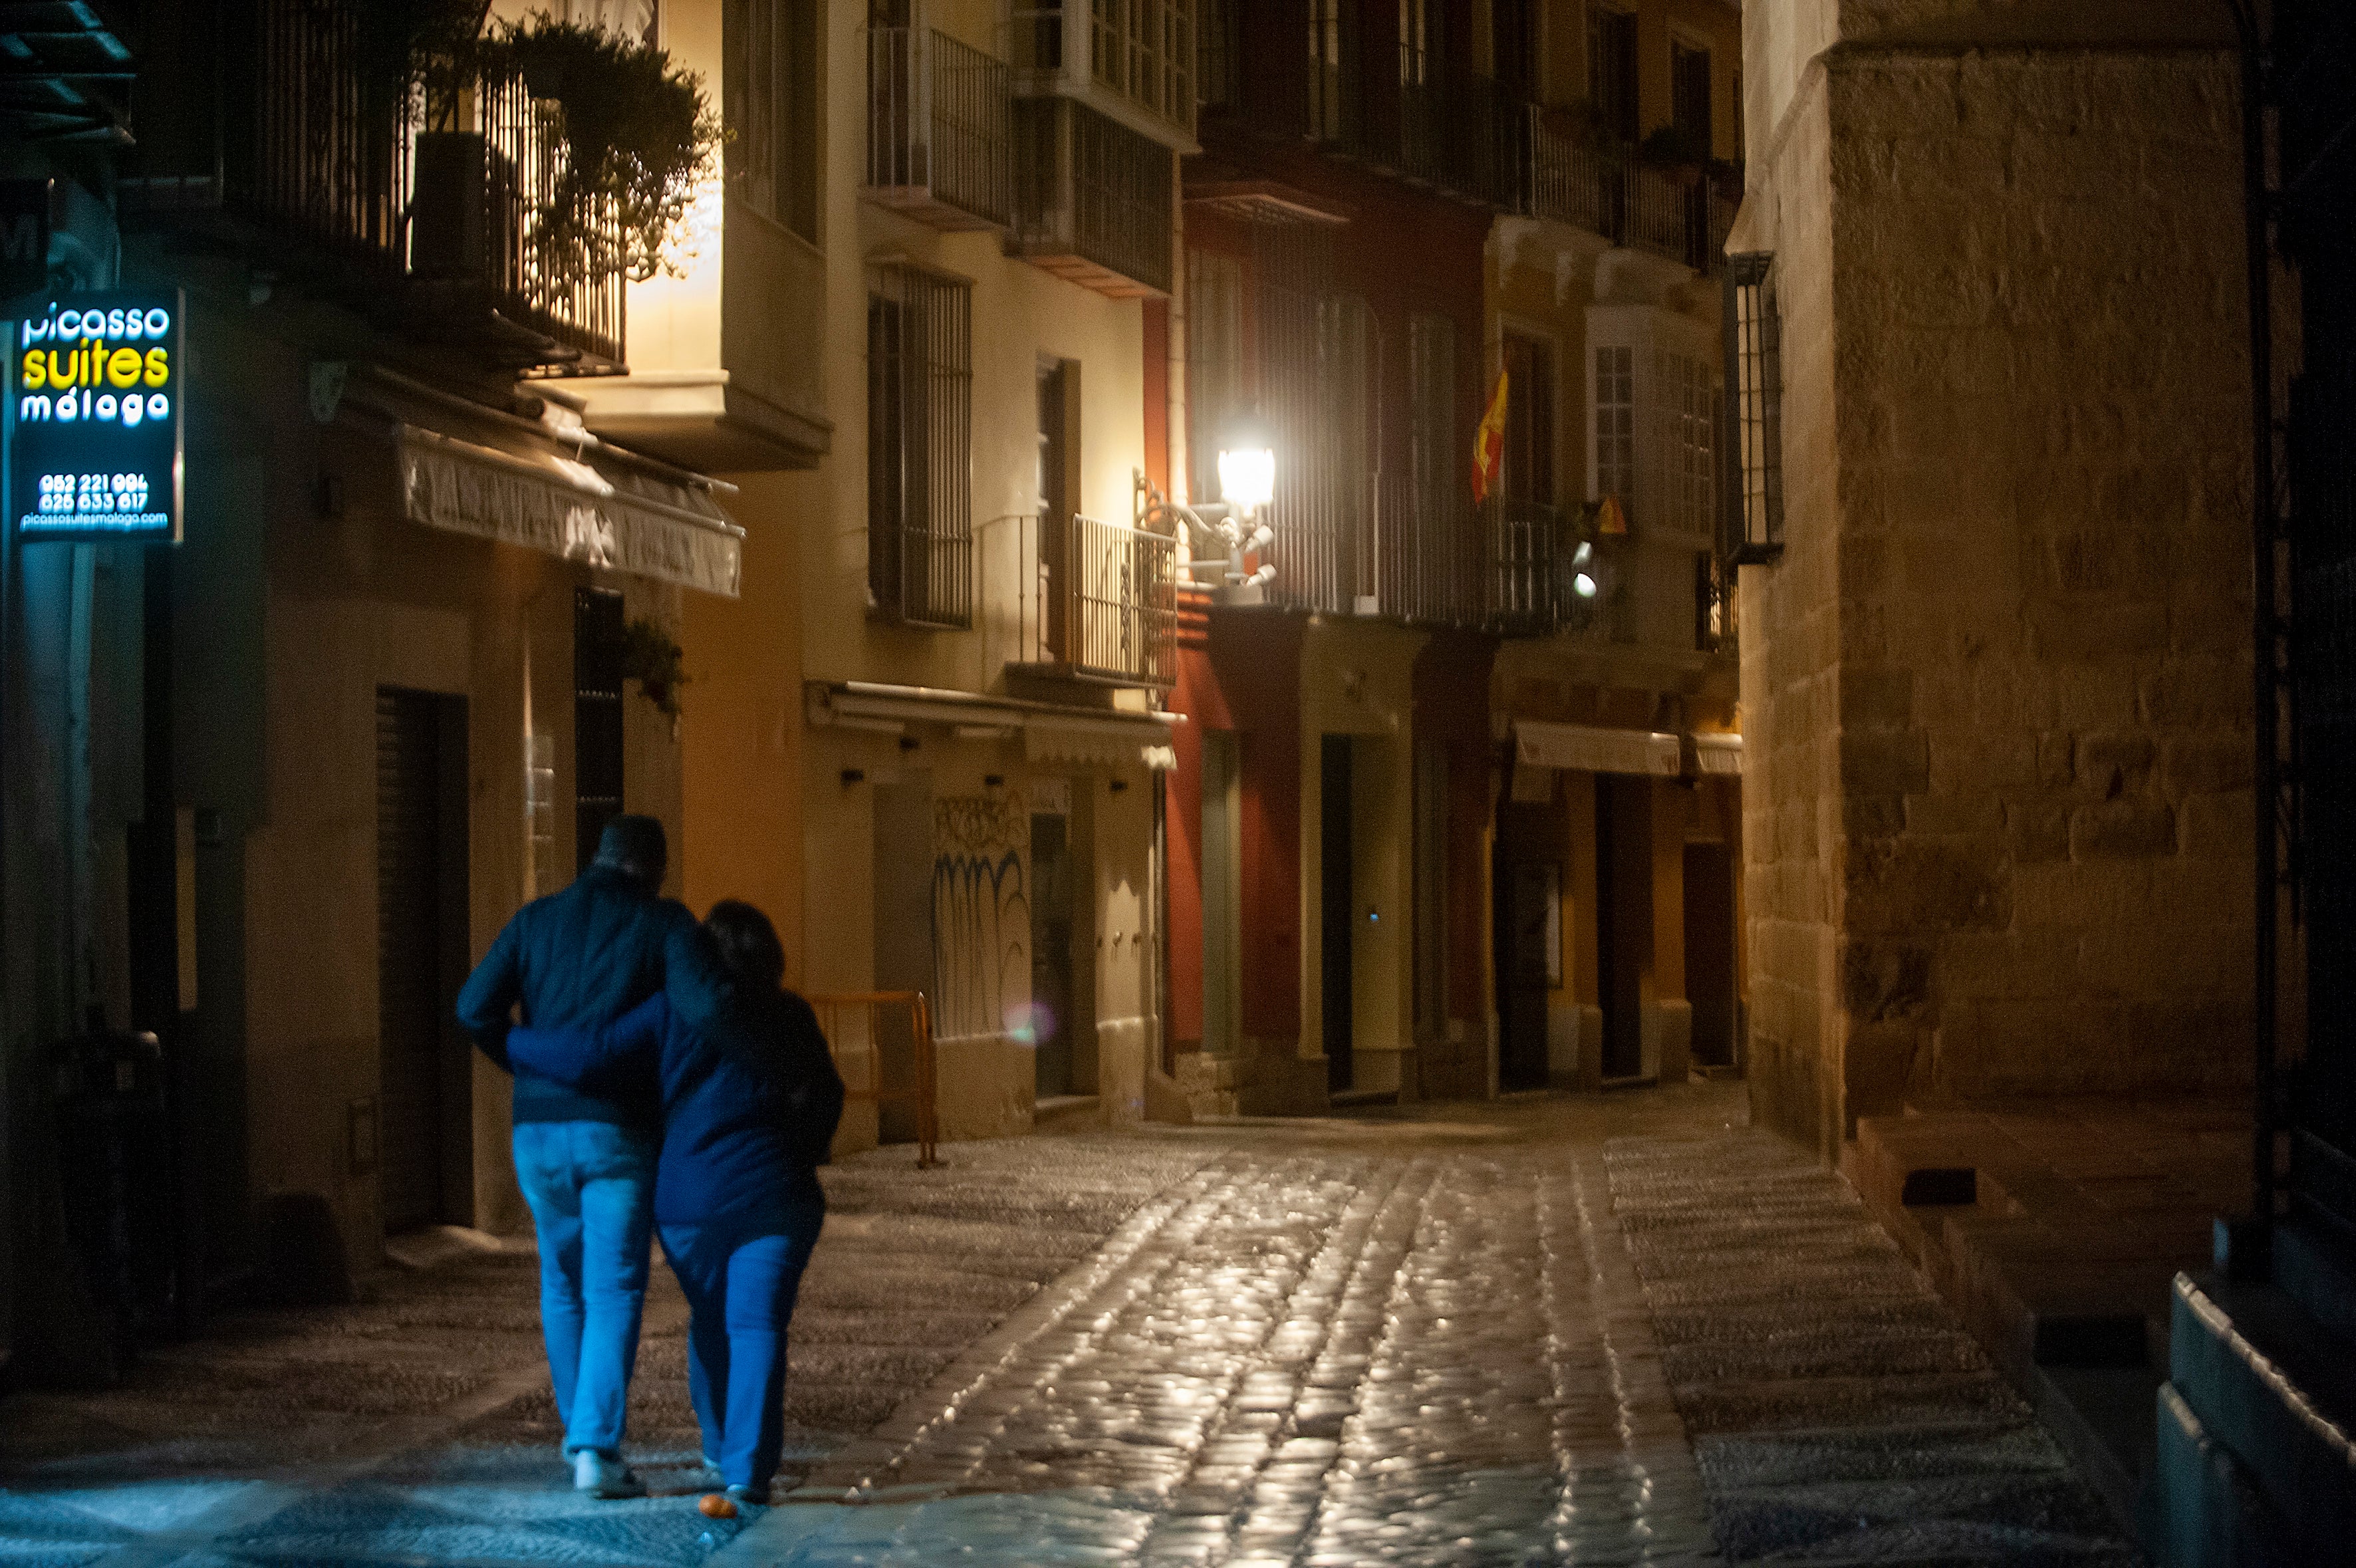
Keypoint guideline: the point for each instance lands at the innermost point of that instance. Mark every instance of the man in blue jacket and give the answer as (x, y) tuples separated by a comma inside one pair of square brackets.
[(585, 1159)]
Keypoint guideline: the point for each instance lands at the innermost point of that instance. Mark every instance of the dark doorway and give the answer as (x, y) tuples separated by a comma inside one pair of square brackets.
[(596, 717), (1623, 917), (1051, 952), (424, 1112), (1531, 885), (1338, 897), (904, 873), (1709, 950)]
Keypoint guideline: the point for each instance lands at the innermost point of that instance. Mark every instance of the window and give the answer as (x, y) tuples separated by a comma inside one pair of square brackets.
[(1690, 92), (596, 717), (1615, 423), (1687, 396), (1514, 29), (1431, 372), (1330, 47), (1215, 363), (636, 20), (1218, 53), (1754, 330), (1527, 471), (1417, 36), (1144, 50), (1612, 67), (919, 435), (769, 102)]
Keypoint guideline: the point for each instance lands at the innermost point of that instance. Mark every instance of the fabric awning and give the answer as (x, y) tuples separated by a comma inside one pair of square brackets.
[(601, 512), (1719, 755), (1588, 749), (1098, 738)]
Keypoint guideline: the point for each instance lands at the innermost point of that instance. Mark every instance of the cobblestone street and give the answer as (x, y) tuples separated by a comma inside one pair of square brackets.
[(1617, 1330)]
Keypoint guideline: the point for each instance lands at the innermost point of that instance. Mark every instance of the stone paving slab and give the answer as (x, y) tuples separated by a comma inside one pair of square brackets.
[(1608, 1330)]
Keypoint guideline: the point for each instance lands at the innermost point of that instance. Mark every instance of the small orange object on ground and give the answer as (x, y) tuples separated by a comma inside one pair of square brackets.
[(716, 1505)]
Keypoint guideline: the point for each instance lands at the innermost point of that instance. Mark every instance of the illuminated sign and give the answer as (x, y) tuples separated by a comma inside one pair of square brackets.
[(94, 418)]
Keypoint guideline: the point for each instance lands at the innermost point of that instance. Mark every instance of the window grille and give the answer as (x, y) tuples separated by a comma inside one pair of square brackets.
[(1615, 421), (769, 102), (920, 567), (1753, 515)]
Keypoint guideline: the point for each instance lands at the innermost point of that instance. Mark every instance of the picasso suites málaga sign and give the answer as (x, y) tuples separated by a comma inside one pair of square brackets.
[(94, 418)]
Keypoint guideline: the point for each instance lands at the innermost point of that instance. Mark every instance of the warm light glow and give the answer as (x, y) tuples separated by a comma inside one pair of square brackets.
[(1247, 477), (697, 232)]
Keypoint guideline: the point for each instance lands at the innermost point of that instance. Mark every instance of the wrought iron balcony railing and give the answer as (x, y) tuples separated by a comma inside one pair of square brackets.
[(1568, 178), (1097, 601), (353, 164), (1093, 199), (940, 129)]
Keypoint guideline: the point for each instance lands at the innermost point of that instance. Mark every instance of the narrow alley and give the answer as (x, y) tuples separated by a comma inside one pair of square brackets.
[(1625, 1330)]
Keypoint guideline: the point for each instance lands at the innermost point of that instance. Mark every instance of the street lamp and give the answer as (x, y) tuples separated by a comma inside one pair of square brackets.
[(1221, 533)]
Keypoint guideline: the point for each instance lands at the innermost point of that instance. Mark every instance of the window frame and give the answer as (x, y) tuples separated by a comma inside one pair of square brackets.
[(1752, 495)]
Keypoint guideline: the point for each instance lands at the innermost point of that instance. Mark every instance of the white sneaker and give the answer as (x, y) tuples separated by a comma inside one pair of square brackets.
[(602, 1477)]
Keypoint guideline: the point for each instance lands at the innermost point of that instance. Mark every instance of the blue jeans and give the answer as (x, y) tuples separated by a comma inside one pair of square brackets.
[(740, 1277), (591, 1186)]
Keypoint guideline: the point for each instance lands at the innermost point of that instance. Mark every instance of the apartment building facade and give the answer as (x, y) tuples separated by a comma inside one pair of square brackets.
[(1384, 863), (940, 733), (447, 490)]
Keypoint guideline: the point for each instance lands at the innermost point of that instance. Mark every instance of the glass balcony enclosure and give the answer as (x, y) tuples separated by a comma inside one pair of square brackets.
[(1130, 61)]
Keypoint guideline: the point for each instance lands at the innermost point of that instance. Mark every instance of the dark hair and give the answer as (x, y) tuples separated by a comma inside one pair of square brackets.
[(633, 844), (748, 944)]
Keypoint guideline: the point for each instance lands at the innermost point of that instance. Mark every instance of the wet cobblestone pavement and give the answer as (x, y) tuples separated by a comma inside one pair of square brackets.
[(1471, 1334)]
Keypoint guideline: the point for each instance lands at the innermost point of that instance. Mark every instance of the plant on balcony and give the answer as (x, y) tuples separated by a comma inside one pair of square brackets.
[(638, 134), (652, 657)]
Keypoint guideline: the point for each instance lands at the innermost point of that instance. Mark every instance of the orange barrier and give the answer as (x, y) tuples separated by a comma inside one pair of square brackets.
[(834, 1008)]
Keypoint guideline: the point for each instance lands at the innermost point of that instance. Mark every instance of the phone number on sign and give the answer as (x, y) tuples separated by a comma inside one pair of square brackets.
[(78, 494)]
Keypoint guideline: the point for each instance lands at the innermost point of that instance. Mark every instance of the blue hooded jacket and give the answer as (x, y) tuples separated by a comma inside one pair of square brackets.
[(579, 959), (750, 1102)]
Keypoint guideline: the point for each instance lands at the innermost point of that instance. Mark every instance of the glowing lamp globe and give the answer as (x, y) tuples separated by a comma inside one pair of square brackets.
[(1247, 468)]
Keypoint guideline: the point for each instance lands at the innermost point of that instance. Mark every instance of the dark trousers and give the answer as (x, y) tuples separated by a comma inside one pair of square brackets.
[(740, 1277)]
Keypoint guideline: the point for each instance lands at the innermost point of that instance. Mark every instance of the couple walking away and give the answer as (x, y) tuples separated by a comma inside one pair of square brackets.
[(665, 1080)]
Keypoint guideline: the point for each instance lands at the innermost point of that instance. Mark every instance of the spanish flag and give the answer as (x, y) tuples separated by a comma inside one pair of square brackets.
[(1489, 444)]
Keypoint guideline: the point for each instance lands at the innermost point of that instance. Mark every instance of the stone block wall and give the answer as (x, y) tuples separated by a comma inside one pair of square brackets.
[(2002, 674)]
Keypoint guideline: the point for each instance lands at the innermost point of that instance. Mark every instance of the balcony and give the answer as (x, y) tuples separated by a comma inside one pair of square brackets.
[(940, 130), (1568, 179), (1096, 602), (1453, 130), (1130, 61), (1093, 199), (437, 216)]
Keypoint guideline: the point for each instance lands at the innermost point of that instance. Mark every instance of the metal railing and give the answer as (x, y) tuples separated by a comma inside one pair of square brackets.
[(881, 1042), (1424, 557), (1449, 128), (1097, 600), (1527, 563), (941, 123), (1120, 599), (1568, 178), (1090, 188), (340, 160)]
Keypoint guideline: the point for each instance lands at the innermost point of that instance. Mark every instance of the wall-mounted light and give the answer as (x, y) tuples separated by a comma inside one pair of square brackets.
[(1582, 569)]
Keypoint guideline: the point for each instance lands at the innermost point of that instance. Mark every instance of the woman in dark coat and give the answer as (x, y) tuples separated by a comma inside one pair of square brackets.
[(750, 1104)]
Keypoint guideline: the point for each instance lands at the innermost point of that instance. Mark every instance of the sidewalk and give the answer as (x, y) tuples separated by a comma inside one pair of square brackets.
[(1616, 1329)]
